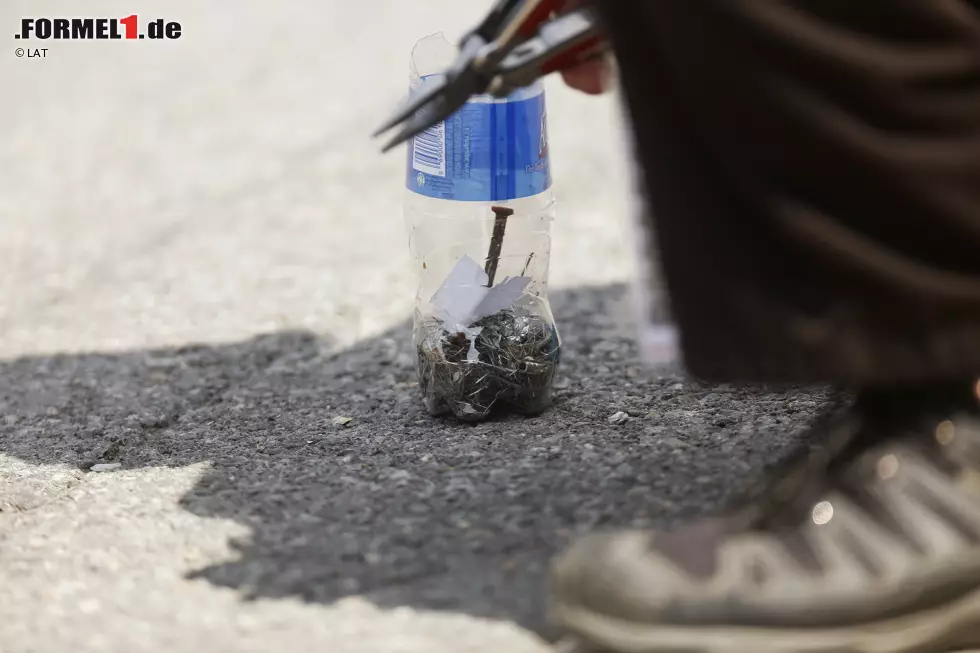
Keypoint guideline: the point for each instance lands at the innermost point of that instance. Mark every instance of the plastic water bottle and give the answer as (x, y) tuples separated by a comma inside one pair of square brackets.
[(478, 211)]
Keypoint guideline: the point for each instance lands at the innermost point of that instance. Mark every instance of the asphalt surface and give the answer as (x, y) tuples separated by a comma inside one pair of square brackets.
[(202, 264)]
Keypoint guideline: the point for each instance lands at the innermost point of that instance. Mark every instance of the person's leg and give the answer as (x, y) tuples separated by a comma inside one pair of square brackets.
[(813, 169), (813, 177)]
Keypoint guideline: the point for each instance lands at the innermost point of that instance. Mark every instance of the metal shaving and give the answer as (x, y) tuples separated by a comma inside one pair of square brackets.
[(504, 362)]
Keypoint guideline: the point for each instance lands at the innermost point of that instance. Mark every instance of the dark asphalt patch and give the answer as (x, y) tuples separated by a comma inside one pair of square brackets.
[(395, 505)]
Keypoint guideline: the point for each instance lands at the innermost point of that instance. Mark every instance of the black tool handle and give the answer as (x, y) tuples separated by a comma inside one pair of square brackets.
[(494, 21), (559, 44), (512, 21)]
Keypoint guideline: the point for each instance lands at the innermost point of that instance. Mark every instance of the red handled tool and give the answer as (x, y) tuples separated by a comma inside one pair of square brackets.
[(517, 43)]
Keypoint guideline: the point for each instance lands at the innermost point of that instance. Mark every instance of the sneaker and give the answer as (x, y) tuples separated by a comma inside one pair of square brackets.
[(871, 543)]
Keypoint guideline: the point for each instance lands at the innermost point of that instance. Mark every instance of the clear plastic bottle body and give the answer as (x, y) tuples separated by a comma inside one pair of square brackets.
[(441, 232), (506, 356), (472, 375)]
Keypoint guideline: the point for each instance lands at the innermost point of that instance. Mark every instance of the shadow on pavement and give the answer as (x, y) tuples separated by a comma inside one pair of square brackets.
[(397, 506)]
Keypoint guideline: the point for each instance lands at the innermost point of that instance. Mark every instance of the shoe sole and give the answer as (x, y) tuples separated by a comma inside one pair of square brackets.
[(953, 628)]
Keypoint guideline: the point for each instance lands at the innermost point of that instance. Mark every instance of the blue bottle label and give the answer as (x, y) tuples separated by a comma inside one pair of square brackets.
[(489, 150)]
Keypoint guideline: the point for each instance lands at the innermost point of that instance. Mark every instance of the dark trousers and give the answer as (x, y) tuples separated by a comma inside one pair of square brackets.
[(812, 174)]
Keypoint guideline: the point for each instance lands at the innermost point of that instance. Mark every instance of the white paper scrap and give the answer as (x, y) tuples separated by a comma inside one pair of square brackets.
[(460, 293), (472, 355), (501, 296), (464, 297)]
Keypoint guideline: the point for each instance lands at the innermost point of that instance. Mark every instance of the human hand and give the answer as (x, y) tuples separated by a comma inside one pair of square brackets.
[(592, 77)]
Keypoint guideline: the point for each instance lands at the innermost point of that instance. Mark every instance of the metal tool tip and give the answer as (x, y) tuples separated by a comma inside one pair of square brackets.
[(403, 112), (406, 132), (385, 126), (393, 143)]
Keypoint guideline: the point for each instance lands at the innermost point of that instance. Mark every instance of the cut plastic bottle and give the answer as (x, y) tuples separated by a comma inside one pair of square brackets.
[(478, 211)]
